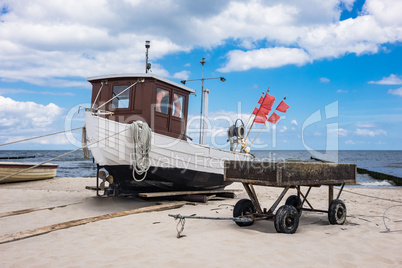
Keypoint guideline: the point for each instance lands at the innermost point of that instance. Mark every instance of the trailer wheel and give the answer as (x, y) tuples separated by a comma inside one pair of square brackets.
[(243, 207), (337, 212), (276, 222), (286, 219), (295, 201)]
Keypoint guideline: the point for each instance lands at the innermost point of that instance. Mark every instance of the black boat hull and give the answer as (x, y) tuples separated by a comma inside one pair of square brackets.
[(163, 179)]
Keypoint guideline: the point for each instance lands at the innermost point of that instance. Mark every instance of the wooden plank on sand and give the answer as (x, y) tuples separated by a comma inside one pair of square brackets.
[(64, 225), (29, 210)]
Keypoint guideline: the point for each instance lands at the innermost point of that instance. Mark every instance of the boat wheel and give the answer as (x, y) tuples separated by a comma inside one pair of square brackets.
[(295, 201), (337, 212), (243, 207), (286, 219)]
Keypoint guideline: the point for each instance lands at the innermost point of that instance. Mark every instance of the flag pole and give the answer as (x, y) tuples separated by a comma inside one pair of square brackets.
[(253, 121), (258, 133), (262, 94), (237, 144), (284, 98)]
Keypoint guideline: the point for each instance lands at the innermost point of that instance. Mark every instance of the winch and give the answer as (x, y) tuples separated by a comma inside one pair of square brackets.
[(236, 133)]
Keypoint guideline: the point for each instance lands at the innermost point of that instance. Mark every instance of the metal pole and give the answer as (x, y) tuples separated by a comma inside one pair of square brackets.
[(146, 61), (202, 100), (147, 46), (204, 136)]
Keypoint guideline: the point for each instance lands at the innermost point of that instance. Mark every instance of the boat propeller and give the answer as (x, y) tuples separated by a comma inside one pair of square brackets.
[(103, 176)]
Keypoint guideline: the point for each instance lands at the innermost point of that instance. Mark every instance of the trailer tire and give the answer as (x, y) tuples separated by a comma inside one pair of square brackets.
[(243, 207), (337, 212), (286, 219), (295, 201), (278, 212)]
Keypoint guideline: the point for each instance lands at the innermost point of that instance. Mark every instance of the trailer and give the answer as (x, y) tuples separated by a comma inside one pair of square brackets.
[(288, 175)]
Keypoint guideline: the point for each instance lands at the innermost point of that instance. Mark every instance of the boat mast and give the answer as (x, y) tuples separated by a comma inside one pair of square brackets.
[(202, 129)]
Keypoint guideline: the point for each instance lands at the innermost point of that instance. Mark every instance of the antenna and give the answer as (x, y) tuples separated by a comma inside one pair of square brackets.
[(147, 65)]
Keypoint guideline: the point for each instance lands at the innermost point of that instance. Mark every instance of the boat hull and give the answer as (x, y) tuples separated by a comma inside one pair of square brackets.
[(46, 171), (175, 164), (166, 179)]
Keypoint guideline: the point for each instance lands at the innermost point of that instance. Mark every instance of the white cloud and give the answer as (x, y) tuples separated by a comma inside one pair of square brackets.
[(294, 122), (264, 58), (341, 91), (57, 42), (324, 80), (365, 124), (28, 115), (397, 91), (341, 131), (19, 91), (371, 133), (182, 75), (386, 12), (284, 128), (390, 80), (349, 142)]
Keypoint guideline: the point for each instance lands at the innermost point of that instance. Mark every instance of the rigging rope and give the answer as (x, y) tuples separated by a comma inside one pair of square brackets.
[(93, 105), (39, 136), (60, 156), (118, 95), (139, 158)]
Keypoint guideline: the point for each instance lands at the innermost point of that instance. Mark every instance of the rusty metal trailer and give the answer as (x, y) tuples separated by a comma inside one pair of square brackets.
[(288, 175)]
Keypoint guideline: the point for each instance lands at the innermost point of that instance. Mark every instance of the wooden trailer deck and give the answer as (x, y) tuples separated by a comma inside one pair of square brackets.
[(288, 175), (269, 173)]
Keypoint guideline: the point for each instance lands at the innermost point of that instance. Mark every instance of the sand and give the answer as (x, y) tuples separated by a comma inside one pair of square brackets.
[(149, 239)]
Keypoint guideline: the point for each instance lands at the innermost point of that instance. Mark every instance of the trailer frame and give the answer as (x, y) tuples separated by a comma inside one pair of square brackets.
[(288, 175)]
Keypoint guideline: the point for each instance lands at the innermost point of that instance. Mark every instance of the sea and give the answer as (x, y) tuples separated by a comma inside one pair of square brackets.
[(388, 162)]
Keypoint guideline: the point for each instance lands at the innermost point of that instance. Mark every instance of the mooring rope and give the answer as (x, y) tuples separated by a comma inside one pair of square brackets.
[(383, 219), (60, 156), (139, 160), (383, 216), (37, 137), (370, 196)]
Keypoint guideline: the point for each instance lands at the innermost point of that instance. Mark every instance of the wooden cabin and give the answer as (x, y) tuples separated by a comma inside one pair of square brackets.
[(162, 103)]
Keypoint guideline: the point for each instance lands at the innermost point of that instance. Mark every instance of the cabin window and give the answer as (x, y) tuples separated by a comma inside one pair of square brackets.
[(122, 101), (178, 105), (162, 101)]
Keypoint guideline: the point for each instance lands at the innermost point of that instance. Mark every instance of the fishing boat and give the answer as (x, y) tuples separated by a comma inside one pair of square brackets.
[(44, 171), (136, 129)]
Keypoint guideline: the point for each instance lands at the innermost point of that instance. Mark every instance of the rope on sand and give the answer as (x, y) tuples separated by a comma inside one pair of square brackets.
[(374, 197), (64, 225), (388, 230)]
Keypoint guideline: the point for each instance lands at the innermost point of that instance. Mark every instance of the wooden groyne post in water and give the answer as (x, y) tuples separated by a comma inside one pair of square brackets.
[(373, 174)]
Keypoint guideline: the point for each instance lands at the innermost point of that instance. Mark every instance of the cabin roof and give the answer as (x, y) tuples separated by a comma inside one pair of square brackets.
[(141, 75)]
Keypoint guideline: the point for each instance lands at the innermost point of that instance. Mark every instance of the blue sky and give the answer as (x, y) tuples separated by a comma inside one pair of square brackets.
[(343, 55)]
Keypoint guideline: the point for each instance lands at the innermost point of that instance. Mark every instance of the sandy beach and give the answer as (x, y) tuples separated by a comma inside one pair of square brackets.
[(149, 239)]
